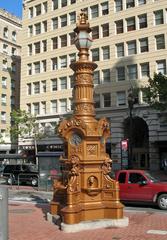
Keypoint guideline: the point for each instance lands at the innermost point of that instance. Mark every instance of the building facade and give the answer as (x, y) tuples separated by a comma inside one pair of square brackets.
[(10, 51), (130, 39)]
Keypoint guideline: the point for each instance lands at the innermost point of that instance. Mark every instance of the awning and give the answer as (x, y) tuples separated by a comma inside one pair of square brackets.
[(11, 156), (49, 154)]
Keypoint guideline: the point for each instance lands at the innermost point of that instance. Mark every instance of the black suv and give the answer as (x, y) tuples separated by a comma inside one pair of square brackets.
[(24, 173)]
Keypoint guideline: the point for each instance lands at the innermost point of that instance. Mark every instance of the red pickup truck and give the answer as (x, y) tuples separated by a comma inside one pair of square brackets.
[(140, 186)]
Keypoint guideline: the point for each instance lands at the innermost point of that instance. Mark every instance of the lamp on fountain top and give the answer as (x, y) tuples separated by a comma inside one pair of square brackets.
[(83, 41)]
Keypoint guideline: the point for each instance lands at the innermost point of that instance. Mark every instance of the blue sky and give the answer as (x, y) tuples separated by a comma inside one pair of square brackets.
[(12, 6)]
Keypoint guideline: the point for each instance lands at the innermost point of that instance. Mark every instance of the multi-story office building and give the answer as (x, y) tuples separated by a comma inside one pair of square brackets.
[(130, 39), (10, 51)]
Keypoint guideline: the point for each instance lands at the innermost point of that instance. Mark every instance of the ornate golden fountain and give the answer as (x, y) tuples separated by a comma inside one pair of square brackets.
[(85, 191)]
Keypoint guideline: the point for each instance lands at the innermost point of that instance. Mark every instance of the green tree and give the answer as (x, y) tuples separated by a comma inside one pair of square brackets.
[(25, 125), (156, 92)]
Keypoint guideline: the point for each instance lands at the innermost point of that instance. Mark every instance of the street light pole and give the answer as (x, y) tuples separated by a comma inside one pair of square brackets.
[(130, 105)]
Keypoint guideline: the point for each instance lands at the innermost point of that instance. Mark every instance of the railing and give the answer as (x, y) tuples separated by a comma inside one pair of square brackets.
[(43, 183)]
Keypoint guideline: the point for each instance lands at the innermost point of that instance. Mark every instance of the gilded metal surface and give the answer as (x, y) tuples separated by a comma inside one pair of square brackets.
[(85, 191)]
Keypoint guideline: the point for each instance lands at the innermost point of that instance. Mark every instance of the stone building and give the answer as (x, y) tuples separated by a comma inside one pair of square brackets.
[(130, 39), (10, 51)]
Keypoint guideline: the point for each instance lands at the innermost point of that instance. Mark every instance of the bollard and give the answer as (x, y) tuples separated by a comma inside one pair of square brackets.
[(3, 213)]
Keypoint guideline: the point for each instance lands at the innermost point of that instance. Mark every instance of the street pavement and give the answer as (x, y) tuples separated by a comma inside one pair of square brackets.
[(27, 220)]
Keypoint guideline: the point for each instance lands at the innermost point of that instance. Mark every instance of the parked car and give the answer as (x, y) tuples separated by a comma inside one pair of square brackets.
[(24, 173), (140, 186)]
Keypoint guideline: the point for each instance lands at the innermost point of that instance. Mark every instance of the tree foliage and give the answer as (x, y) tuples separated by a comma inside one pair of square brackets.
[(156, 92), (23, 124)]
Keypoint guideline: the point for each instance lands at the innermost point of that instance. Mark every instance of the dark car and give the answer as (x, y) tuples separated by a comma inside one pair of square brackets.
[(24, 173)]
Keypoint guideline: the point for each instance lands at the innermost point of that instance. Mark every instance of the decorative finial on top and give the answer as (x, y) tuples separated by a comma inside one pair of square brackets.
[(83, 17)]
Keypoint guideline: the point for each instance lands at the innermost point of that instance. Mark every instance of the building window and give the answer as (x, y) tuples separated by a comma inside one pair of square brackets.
[(118, 5), (63, 83), (37, 28), (5, 48), (63, 3), (120, 73), (132, 47), (130, 3), (141, 2), (95, 32), (143, 45), (29, 69), (120, 49), (63, 105), (158, 15), (36, 87), (14, 51), (96, 77), (4, 65), (63, 62), (43, 86), (14, 36), (142, 21), (45, 7), (55, 4), (160, 41), (28, 107), (106, 52), (145, 70), (54, 43), (105, 30), (29, 89), (121, 98), (37, 47), (105, 9), (44, 66), (31, 12), (29, 49), (54, 84), (94, 11), (72, 57), (71, 81), (54, 23), (12, 84), (72, 17), (97, 100), (43, 107), (38, 9), (106, 75), (30, 31), (37, 67), (63, 40), (119, 26), (95, 54), (107, 99), (54, 106), (63, 20), (72, 38), (44, 45), (132, 72), (3, 99), (5, 32), (4, 82), (13, 67), (44, 26), (3, 117), (54, 63), (161, 66), (36, 108), (131, 24)]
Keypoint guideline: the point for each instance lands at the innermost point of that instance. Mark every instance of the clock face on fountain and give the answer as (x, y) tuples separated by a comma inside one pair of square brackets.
[(75, 139)]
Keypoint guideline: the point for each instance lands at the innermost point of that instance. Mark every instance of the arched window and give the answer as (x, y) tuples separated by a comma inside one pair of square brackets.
[(14, 35), (5, 32)]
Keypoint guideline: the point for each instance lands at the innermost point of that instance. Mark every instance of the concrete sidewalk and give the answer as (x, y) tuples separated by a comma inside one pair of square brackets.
[(27, 221)]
